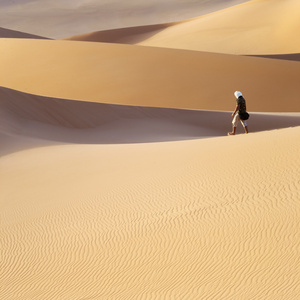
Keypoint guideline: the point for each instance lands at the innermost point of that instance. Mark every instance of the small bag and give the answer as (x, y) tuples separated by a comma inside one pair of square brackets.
[(244, 116)]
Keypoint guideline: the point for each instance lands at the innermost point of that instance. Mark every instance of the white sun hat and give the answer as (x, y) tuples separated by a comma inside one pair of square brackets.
[(237, 94)]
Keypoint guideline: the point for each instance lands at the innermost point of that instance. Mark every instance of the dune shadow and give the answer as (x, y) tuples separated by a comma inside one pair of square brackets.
[(290, 56), (72, 121), (128, 35)]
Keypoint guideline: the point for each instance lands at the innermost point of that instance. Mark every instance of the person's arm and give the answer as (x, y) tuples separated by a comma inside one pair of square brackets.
[(236, 109)]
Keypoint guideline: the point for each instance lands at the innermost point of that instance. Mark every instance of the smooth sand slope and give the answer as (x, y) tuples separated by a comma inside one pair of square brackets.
[(205, 219), (254, 27), (57, 19), (148, 76)]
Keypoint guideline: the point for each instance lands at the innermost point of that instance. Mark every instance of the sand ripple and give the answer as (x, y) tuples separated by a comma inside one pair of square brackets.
[(161, 221)]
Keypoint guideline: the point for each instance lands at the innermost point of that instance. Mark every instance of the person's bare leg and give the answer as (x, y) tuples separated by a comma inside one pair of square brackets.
[(233, 131), (246, 129)]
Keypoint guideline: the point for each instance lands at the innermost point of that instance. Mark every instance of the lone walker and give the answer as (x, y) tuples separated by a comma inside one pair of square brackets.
[(240, 113)]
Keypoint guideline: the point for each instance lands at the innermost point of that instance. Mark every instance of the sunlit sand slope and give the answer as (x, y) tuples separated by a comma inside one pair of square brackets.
[(205, 219), (254, 27), (148, 76)]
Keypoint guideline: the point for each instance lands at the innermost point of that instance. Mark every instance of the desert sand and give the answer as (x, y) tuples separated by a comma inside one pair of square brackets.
[(60, 19), (148, 76), (254, 27), (118, 179)]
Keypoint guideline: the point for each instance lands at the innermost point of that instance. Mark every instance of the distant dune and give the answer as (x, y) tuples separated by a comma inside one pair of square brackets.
[(254, 27), (7, 33), (129, 35), (58, 19), (148, 76)]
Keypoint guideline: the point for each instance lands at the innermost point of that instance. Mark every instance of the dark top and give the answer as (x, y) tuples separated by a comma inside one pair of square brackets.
[(242, 103)]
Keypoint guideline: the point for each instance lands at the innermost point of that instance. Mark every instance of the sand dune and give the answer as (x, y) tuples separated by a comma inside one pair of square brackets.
[(148, 76), (203, 219), (7, 33), (254, 27), (117, 179), (58, 19), (68, 121)]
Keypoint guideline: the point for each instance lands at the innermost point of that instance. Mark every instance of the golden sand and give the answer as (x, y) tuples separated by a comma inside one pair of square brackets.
[(118, 179)]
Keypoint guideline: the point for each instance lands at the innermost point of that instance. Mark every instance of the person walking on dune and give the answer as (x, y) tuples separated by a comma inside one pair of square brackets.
[(240, 113)]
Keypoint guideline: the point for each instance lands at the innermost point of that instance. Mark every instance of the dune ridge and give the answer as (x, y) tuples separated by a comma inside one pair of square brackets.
[(254, 27), (148, 76)]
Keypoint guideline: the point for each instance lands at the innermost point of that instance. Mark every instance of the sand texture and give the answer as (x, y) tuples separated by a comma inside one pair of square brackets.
[(117, 177), (122, 202), (181, 219)]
